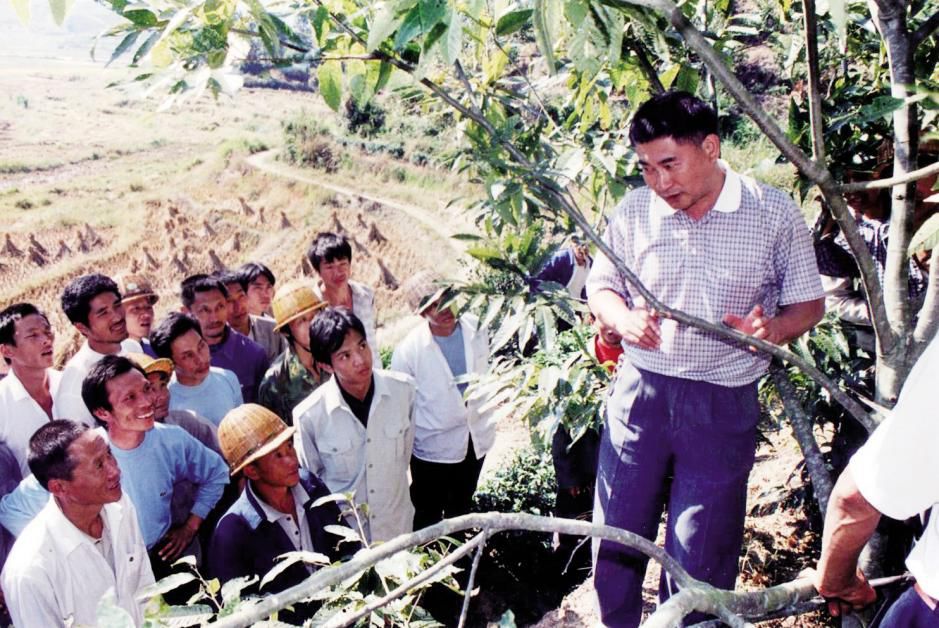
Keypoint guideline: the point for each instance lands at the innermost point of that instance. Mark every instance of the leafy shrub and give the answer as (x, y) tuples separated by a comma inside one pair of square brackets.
[(307, 142), (368, 120)]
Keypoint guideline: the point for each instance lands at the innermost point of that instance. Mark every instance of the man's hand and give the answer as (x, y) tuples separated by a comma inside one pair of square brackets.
[(175, 541), (640, 327), (758, 325), (846, 597)]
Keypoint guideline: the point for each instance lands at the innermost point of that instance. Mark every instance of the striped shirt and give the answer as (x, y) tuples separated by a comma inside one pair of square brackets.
[(752, 248)]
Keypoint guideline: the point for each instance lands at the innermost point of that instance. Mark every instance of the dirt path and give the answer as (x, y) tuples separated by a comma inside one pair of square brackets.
[(265, 161)]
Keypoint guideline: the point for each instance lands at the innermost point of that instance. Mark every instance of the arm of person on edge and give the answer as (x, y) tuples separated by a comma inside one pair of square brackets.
[(849, 523), (637, 326), (790, 322)]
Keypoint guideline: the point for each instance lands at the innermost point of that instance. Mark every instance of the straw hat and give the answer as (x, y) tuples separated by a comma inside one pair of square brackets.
[(134, 287), (150, 364), (249, 432), (423, 289), (294, 299)]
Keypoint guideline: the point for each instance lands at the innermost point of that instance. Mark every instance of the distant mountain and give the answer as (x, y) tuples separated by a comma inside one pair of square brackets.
[(42, 38)]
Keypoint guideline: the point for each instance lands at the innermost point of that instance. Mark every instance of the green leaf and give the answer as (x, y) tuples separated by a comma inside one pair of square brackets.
[(384, 73), (329, 75), (124, 46), (143, 18), (454, 43), (291, 558), (926, 237), (344, 532), (168, 583), (419, 20), (544, 17), (22, 10), (385, 23), (321, 25), (60, 10), (513, 21), (839, 17)]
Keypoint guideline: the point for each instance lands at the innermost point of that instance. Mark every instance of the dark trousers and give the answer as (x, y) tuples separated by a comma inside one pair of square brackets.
[(441, 490), (686, 444), (910, 611)]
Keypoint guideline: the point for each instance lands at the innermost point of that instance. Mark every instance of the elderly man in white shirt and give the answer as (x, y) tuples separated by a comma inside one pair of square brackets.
[(85, 542), (356, 431), (27, 393), (93, 304), (452, 435)]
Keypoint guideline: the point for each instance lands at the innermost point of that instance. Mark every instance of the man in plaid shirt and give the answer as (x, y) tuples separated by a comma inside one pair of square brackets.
[(681, 419)]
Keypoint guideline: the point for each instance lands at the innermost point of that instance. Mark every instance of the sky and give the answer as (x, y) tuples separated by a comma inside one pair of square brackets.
[(42, 38)]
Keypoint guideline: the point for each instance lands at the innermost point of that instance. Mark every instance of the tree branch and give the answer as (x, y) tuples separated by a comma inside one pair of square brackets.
[(804, 434), (881, 184), (810, 19), (925, 30), (472, 578), (478, 542), (928, 323)]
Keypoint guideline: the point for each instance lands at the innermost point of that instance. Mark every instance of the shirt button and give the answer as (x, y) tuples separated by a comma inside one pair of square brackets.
[(370, 466), (368, 440)]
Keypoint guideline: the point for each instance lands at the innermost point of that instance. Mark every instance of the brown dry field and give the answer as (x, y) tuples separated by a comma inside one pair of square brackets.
[(103, 181)]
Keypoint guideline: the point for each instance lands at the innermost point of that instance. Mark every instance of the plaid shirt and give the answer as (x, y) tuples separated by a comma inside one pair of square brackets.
[(752, 248)]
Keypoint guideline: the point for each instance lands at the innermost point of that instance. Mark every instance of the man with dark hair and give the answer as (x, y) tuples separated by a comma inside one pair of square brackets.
[(452, 434), (295, 374), (206, 299), (681, 420), (93, 304), (138, 299), (196, 385), (258, 328), (85, 541), (330, 255), (258, 283), (153, 458), (356, 431), (27, 394), (276, 512)]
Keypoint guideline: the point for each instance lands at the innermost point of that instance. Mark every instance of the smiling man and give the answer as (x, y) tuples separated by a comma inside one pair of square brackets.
[(93, 304), (84, 541), (205, 298), (27, 393), (195, 385), (356, 431), (452, 435), (153, 457), (681, 420)]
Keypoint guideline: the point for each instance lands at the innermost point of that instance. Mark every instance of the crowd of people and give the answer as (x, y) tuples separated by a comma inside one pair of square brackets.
[(215, 431)]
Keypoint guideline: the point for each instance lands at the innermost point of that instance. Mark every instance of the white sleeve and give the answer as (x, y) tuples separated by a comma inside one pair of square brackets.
[(895, 468)]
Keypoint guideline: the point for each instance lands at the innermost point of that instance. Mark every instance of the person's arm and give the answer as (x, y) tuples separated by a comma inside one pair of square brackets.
[(31, 601), (305, 445), (844, 301), (206, 469), (790, 322), (20, 506), (850, 522)]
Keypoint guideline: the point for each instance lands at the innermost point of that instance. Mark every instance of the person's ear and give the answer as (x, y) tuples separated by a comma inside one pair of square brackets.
[(6, 351), (58, 487), (103, 415), (83, 329), (325, 367), (184, 310), (251, 472), (712, 146)]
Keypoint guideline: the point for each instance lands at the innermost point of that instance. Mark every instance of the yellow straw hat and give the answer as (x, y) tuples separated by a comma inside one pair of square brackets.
[(249, 432), (423, 289), (150, 364), (294, 299)]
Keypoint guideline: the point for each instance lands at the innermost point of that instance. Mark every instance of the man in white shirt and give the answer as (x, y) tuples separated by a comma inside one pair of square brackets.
[(27, 393), (452, 436), (83, 543), (894, 474), (356, 431), (93, 304)]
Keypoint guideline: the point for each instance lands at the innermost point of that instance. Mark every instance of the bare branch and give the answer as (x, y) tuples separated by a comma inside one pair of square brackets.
[(925, 30), (478, 543), (802, 430), (810, 20), (472, 578), (881, 184), (928, 323), (644, 64)]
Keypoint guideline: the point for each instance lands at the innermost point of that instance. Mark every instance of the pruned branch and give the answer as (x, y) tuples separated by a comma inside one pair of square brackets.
[(810, 19), (925, 30), (881, 184), (802, 430)]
